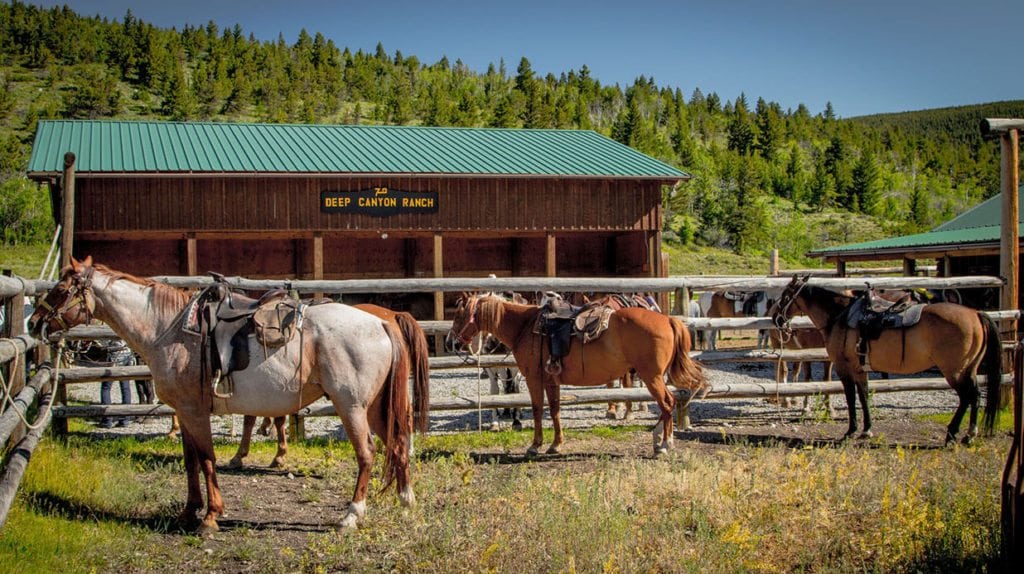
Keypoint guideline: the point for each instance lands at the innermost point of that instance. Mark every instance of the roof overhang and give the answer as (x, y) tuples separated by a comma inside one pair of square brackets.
[(920, 252)]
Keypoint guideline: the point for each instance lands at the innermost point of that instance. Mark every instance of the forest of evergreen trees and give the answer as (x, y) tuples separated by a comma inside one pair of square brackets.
[(763, 176)]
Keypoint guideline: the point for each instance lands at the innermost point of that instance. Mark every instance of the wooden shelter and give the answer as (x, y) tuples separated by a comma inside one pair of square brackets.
[(341, 202)]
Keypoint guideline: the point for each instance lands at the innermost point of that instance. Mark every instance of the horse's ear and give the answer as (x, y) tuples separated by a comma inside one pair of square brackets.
[(88, 261)]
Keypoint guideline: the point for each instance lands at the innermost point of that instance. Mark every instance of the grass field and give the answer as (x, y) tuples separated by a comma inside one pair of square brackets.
[(108, 505)]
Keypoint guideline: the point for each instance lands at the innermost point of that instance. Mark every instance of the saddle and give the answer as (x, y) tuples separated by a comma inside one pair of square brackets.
[(559, 321), (744, 302), (870, 314), (231, 318)]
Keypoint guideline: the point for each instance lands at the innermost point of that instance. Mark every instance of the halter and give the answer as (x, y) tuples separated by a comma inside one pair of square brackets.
[(471, 310), (79, 294), (781, 318)]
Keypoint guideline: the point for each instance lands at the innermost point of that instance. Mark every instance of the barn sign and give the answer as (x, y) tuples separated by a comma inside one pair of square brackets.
[(378, 201)]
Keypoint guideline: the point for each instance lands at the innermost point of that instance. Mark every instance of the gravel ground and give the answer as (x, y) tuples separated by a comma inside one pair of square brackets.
[(706, 415)]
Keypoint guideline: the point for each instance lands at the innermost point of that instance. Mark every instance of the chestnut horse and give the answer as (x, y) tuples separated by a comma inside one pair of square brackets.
[(355, 358), (651, 343), (715, 304), (415, 346), (800, 339), (956, 339)]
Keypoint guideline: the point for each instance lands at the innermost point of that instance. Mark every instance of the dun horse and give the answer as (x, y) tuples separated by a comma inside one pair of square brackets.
[(352, 356), (415, 342), (651, 343), (956, 339)]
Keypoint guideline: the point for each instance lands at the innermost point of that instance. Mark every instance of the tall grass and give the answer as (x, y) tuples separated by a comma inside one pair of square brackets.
[(109, 506)]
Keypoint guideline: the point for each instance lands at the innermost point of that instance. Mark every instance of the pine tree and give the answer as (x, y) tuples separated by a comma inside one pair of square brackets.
[(865, 184)]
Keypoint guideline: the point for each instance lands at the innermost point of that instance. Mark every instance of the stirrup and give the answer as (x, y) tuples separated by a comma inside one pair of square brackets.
[(216, 383), (553, 367)]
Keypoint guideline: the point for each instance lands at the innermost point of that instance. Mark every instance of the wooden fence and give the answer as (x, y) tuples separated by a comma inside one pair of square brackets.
[(38, 390)]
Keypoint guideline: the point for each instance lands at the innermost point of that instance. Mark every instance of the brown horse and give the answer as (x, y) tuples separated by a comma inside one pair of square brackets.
[(800, 339), (651, 343), (415, 342), (716, 305), (956, 339), (355, 358)]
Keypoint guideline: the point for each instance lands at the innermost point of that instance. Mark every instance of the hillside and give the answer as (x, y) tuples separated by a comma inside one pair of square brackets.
[(763, 177)]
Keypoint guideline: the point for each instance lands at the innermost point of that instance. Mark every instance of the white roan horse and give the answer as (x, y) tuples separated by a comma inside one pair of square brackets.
[(352, 356)]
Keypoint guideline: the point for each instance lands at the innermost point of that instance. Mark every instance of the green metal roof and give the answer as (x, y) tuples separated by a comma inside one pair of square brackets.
[(110, 147), (980, 224)]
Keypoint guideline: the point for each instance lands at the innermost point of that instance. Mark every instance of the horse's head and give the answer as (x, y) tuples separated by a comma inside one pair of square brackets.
[(465, 323), (789, 303), (71, 302)]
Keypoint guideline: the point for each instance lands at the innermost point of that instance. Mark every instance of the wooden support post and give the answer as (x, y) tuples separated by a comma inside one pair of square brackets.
[(840, 268), (191, 255), (550, 263), (438, 295), (909, 267), (1009, 248), (318, 261), (773, 263), (67, 202)]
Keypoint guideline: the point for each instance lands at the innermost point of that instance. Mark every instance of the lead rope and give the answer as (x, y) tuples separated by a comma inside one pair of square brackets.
[(475, 354), (8, 399)]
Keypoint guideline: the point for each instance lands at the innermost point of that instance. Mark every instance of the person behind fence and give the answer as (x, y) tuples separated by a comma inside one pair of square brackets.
[(114, 353)]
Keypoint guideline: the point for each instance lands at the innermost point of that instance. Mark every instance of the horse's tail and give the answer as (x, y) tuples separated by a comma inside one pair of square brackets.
[(419, 354), (398, 415), (684, 372), (993, 367)]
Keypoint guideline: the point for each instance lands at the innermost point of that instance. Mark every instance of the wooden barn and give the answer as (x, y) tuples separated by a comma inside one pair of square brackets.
[(343, 202), (968, 244)]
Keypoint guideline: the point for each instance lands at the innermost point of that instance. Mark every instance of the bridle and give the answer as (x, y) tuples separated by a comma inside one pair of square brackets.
[(782, 318), (79, 296)]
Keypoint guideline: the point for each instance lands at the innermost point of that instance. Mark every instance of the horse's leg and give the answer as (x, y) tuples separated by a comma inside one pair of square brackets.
[(512, 388), (555, 408), (201, 437), (850, 391), (265, 426), (282, 441), (248, 421), (662, 432), (358, 431), (967, 390), (536, 390), (862, 392), (194, 499), (175, 428), (495, 390), (612, 412)]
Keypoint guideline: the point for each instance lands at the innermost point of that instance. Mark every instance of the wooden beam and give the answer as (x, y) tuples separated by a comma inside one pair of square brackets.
[(1001, 125), (67, 238), (909, 267), (550, 263), (191, 256), (438, 295), (1009, 249)]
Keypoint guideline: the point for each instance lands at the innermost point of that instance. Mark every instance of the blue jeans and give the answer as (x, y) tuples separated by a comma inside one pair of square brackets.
[(126, 399)]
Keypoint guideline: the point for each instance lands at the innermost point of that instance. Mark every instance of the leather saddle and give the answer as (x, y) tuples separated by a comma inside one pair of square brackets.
[(231, 318), (559, 321), (870, 314)]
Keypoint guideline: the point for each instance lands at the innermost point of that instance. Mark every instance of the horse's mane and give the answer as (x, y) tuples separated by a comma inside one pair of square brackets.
[(167, 299), (489, 308)]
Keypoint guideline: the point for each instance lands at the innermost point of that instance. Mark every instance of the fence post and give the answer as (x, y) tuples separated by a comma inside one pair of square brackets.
[(14, 371), (682, 307)]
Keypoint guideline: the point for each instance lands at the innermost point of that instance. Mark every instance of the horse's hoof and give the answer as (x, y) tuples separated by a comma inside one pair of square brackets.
[(554, 450), (628, 416), (235, 463), (517, 426), (967, 440), (348, 523), (660, 451), (610, 415), (866, 435), (276, 463), (532, 451), (207, 528)]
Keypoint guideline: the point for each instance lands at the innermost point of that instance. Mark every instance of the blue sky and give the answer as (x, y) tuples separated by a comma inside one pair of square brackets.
[(865, 56)]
